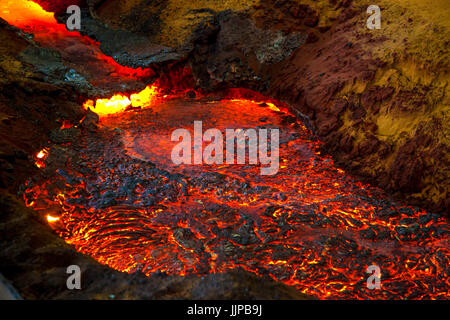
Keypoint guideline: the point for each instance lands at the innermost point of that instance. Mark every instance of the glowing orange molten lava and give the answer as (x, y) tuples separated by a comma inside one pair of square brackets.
[(310, 226), (26, 15), (32, 18)]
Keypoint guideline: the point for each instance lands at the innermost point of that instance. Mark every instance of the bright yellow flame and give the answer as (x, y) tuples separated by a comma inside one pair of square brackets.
[(51, 219), (145, 97), (117, 103), (272, 106), (40, 158), (40, 154), (120, 102)]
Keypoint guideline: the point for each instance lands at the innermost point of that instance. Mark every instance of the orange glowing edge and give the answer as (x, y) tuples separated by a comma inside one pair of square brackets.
[(120, 102), (270, 105)]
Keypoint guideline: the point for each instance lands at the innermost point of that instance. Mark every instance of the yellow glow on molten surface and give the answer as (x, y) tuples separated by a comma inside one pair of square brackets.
[(145, 97), (25, 14), (120, 102), (41, 156), (51, 219)]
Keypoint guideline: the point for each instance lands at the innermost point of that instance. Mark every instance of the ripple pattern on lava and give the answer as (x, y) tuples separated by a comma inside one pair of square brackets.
[(114, 194)]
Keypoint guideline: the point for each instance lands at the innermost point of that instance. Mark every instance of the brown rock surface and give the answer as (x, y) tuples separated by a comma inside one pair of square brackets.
[(30, 107)]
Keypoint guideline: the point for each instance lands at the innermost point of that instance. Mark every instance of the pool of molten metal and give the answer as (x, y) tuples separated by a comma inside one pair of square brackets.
[(115, 195)]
